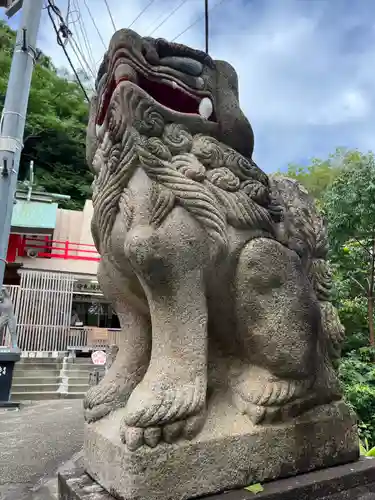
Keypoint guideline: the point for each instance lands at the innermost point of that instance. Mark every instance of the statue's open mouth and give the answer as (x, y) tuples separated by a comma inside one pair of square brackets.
[(164, 89)]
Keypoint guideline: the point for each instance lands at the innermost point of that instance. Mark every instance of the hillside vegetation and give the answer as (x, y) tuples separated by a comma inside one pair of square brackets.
[(55, 127)]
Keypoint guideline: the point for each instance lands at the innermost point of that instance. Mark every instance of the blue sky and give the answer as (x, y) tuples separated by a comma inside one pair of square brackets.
[(305, 66)]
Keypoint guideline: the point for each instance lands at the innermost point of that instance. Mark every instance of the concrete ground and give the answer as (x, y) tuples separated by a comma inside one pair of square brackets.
[(35, 442)]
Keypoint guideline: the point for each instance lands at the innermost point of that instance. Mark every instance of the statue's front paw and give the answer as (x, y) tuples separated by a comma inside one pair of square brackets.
[(135, 437), (163, 411)]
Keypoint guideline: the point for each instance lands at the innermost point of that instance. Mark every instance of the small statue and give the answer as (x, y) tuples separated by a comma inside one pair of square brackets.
[(7, 318)]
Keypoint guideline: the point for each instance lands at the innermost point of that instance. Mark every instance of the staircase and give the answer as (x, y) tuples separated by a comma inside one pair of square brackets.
[(35, 379)]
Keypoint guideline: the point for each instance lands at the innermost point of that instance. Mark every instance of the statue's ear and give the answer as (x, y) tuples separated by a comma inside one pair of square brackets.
[(227, 74), (235, 129)]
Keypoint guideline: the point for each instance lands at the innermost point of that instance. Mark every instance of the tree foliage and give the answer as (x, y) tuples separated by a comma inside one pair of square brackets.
[(349, 205), (320, 174), (345, 188), (55, 126)]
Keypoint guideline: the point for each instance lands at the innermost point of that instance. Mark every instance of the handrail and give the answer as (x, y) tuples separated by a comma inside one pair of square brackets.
[(57, 249)]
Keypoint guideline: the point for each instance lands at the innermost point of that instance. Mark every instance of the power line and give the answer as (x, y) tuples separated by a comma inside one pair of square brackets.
[(169, 16), (197, 21), (142, 11), (110, 15), (94, 23), (161, 14), (80, 57), (64, 32), (68, 38), (84, 34), (77, 44)]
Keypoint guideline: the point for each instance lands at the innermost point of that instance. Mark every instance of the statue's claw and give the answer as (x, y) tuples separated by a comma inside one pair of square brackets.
[(135, 437)]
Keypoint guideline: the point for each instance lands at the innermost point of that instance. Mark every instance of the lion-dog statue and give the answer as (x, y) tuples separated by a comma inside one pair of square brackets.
[(217, 272)]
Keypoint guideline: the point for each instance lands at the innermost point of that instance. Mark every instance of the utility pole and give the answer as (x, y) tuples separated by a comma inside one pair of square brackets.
[(12, 125), (206, 24)]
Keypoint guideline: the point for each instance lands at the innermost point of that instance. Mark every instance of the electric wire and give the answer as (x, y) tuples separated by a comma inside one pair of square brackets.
[(69, 39), (159, 16), (169, 16), (197, 21), (95, 25), (140, 14), (86, 42), (74, 41), (85, 66), (110, 15), (63, 32), (68, 9)]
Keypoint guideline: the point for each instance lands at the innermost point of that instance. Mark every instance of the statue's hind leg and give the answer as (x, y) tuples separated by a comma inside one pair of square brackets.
[(134, 346), (278, 328)]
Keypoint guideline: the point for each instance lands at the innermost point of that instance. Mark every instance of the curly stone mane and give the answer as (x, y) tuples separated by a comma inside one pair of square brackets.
[(214, 183)]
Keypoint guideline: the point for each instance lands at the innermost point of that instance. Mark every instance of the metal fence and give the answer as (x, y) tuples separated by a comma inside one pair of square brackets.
[(43, 305), (44, 310)]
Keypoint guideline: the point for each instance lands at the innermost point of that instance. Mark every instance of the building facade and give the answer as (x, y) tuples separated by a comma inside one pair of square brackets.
[(51, 275)]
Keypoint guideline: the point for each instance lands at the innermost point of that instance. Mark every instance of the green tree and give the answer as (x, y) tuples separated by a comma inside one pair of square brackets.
[(320, 174), (349, 205), (55, 126)]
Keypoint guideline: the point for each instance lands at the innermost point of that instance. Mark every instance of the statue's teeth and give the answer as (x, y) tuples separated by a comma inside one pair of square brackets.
[(99, 129), (125, 71), (205, 108)]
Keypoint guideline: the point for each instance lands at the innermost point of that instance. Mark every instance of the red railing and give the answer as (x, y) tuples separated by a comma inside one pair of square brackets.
[(54, 249)]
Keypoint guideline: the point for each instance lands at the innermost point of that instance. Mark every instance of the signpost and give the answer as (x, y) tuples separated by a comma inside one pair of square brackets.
[(8, 357), (99, 357)]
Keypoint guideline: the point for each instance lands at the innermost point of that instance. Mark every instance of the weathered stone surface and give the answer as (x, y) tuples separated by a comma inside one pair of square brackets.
[(229, 452), (220, 280), (353, 481)]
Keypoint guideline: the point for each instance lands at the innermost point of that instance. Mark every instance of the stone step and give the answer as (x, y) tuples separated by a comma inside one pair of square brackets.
[(80, 366), (78, 373), (36, 373), (34, 380), (79, 361), (29, 387), (30, 361), (78, 380), (38, 366)]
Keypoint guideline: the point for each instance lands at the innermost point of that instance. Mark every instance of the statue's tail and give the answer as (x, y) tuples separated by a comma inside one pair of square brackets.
[(302, 228)]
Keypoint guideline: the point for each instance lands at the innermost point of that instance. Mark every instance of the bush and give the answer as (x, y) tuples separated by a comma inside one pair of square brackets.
[(357, 375)]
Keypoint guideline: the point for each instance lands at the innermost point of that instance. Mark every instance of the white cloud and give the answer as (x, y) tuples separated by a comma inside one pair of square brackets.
[(305, 68)]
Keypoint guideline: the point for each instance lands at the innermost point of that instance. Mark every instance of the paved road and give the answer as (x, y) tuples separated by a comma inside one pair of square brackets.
[(34, 442)]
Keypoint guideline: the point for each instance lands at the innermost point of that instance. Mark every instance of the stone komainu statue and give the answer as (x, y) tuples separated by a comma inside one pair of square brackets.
[(7, 319), (217, 272)]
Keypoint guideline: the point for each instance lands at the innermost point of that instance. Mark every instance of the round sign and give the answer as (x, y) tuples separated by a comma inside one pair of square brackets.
[(99, 357)]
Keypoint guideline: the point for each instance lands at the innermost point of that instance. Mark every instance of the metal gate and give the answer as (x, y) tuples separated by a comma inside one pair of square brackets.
[(43, 310)]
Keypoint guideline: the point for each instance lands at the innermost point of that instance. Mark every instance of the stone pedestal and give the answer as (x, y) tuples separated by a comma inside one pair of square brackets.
[(229, 453), (355, 481)]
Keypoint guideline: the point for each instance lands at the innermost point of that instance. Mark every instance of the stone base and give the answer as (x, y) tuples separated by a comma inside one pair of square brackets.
[(355, 481), (229, 453)]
